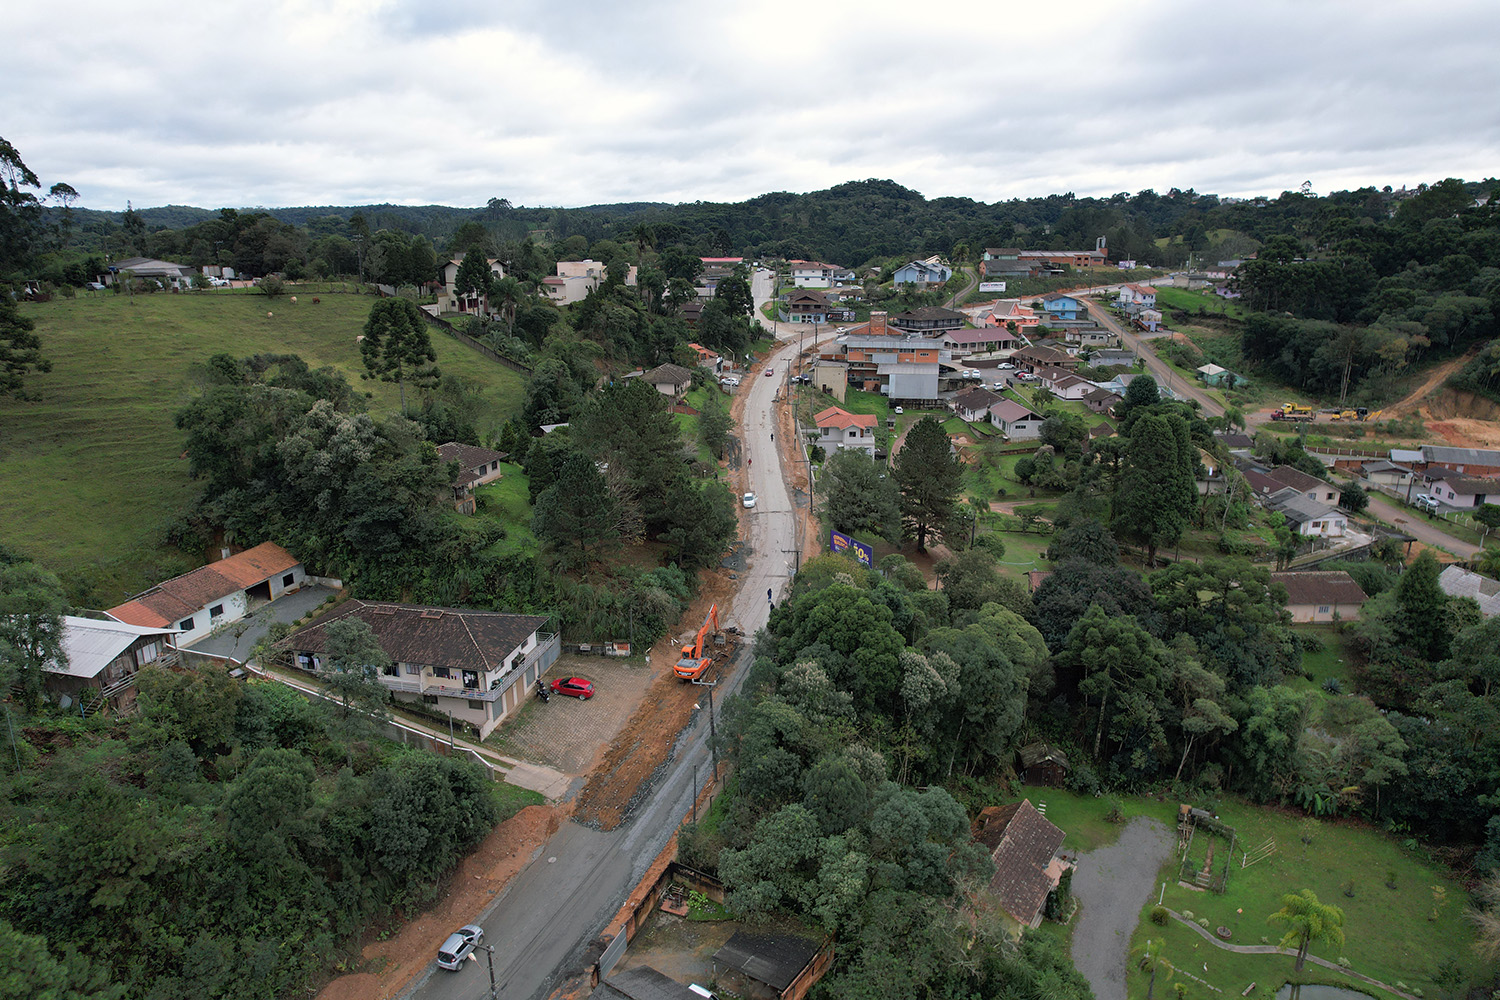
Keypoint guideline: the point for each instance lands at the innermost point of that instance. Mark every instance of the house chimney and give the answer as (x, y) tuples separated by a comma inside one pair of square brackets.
[(877, 322)]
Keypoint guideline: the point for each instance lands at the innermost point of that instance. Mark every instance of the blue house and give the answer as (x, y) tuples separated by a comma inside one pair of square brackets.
[(923, 272), (1059, 306)]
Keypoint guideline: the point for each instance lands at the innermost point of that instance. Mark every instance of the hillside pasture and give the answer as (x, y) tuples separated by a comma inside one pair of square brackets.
[(92, 474)]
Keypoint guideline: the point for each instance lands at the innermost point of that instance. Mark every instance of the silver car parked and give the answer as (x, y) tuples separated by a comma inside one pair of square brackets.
[(459, 946)]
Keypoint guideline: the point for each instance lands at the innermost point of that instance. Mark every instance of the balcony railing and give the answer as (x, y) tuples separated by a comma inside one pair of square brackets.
[(548, 647)]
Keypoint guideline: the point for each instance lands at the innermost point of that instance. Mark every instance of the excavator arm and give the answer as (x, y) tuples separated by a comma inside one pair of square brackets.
[(693, 663)]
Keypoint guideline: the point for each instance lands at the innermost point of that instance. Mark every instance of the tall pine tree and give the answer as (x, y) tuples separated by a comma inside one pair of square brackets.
[(929, 476)]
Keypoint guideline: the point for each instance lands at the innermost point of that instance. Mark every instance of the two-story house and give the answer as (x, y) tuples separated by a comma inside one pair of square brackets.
[(1012, 314), (929, 321), (1060, 306), (476, 466), (477, 667), (922, 273), (816, 274), (103, 658), (807, 306), (838, 428), (1141, 295), (471, 302)]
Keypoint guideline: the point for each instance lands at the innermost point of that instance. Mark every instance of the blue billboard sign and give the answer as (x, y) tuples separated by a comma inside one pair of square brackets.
[(843, 544)]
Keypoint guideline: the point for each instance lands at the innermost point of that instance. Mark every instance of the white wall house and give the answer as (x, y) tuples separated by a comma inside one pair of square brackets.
[(1016, 422), (215, 595), (477, 667), (838, 428)]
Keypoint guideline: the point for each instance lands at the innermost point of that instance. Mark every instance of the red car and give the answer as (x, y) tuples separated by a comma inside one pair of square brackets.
[(770, 372), (575, 687)]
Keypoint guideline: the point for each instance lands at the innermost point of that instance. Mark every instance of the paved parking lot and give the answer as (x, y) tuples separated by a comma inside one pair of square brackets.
[(567, 734)]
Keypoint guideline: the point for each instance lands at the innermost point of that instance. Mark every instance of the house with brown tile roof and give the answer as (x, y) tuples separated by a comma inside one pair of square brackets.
[(211, 596), (476, 466), (478, 667), (1024, 846), (974, 404), (669, 380), (1320, 595), (1309, 486)]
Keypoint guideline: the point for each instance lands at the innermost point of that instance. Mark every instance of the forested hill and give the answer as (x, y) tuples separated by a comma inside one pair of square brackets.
[(861, 221)]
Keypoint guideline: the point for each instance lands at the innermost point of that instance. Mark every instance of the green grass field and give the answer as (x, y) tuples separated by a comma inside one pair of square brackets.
[(508, 501), (91, 473), (1390, 934)]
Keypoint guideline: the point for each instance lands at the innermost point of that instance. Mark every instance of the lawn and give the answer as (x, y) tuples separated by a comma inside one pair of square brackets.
[(1024, 551), (1390, 933), (508, 500), (92, 473), (1192, 301)]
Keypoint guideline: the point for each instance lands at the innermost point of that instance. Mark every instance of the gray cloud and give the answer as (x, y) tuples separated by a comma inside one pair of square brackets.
[(457, 101)]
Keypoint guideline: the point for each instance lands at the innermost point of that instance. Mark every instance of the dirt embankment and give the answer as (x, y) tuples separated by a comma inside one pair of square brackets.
[(1446, 404), (478, 879)]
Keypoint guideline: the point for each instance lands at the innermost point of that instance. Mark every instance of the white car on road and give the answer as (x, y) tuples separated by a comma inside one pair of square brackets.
[(749, 501)]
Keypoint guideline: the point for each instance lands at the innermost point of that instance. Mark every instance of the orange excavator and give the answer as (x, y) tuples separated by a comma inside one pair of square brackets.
[(694, 661)]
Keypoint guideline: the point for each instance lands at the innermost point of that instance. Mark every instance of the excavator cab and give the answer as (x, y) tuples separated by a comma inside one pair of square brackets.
[(695, 661)]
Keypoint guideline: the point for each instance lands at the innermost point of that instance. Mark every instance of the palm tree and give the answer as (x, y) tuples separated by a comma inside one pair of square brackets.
[(1153, 961), (1308, 920)]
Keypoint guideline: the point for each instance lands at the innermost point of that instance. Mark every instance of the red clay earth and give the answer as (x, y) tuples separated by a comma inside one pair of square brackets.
[(392, 963)]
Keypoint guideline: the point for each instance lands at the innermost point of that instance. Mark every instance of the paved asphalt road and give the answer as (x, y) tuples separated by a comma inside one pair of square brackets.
[(541, 925), (1158, 368), (1417, 524)]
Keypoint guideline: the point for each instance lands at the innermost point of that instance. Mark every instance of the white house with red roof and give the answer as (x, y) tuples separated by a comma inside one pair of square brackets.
[(196, 603), (1007, 311), (1140, 295), (838, 428)]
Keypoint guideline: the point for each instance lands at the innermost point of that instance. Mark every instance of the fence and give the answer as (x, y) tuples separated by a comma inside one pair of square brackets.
[(674, 874), (388, 292)]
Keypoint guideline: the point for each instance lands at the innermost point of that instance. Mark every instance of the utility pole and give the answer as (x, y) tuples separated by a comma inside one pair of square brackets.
[(489, 952), (713, 748)]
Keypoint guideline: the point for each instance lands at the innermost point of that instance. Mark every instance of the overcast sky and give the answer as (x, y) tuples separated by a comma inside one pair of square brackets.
[(343, 102)]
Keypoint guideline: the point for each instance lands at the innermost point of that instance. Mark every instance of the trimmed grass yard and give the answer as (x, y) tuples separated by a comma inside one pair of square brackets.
[(91, 475), (1388, 932), (1024, 552)]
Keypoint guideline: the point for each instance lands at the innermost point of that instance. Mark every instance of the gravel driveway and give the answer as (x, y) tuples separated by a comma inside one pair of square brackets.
[(1113, 883)]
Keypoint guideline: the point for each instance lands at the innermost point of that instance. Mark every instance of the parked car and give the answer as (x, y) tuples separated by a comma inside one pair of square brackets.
[(998, 386), (1006, 366), (1026, 377), (459, 946), (899, 410), (729, 381), (95, 286), (749, 501), (573, 687), (1425, 501)]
